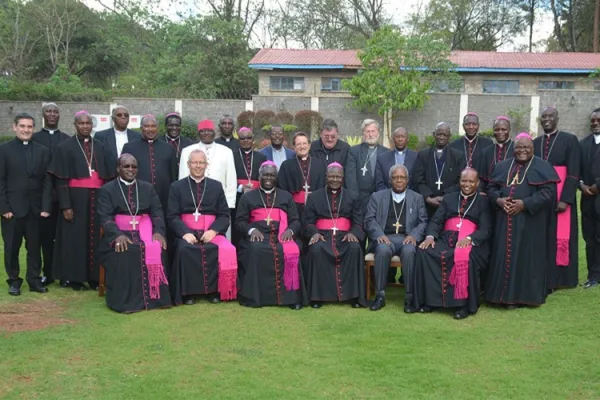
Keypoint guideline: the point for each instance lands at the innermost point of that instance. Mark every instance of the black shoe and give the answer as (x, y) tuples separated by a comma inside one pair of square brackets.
[(512, 306), (377, 304), (38, 288), (425, 310), (93, 285), (409, 309), (188, 301), (356, 304), (590, 283), (296, 307), (461, 314), (78, 287), (550, 291), (14, 289), (316, 304), (64, 284), (214, 298), (47, 281)]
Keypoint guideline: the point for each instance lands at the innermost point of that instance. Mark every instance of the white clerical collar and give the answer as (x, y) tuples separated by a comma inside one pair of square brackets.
[(471, 140), (439, 150), (25, 143), (398, 197), (51, 131), (121, 132), (248, 151), (196, 180), (597, 139), (172, 138), (551, 133), (465, 196), (227, 140), (85, 140), (267, 191), (150, 140), (400, 151), (125, 182)]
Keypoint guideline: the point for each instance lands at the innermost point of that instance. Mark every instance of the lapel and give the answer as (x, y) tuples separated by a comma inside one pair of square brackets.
[(131, 136), (112, 142), (385, 206)]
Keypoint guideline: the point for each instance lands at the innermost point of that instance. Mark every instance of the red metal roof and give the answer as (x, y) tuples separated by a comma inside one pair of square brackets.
[(464, 59)]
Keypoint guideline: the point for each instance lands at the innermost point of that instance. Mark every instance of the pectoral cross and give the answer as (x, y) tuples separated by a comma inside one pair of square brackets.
[(364, 170), (397, 225), (196, 214), (459, 225), (306, 192), (439, 183), (515, 179), (91, 171), (133, 223), (334, 229), (268, 219)]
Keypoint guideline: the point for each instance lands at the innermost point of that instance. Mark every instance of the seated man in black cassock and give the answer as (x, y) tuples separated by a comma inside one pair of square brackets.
[(454, 251), (334, 261), (395, 221), (157, 161), (522, 191), (132, 248), (205, 261), (268, 255)]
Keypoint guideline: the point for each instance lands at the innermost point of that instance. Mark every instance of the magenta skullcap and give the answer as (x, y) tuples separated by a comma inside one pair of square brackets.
[(268, 163), (335, 165), (244, 130), (523, 135)]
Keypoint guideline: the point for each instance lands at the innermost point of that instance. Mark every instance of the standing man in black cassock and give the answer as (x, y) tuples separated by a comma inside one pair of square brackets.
[(334, 260), (454, 251), (561, 149), (268, 254), (157, 161), (115, 138), (362, 161), (498, 152), (173, 135), (50, 136), (522, 192), (302, 174), (247, 162), (472, 144), (25, 199), (205, 261), (400, 154), (80, 167), (132, 248), (437, 170), (590, 201), (226, 128), (329, 148)]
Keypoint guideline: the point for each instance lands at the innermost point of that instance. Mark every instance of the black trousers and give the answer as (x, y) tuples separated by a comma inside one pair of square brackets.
[(590, 229), (13, 232), (47, 235)]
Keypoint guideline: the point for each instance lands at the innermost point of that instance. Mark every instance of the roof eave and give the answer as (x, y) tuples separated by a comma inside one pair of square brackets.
[(300, 66)]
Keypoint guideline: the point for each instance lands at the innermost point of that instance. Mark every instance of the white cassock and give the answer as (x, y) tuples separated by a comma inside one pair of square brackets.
[(220, 167)]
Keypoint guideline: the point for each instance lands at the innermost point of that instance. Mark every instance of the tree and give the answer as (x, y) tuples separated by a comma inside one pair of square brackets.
[(574, 25), (19, 39), (470, 24), (531, 8), (398, 71)]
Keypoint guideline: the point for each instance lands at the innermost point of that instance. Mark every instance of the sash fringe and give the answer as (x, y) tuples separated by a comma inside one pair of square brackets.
[(459, 279)]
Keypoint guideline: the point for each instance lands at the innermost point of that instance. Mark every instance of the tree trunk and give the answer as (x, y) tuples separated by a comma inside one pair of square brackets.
[(596, 23)]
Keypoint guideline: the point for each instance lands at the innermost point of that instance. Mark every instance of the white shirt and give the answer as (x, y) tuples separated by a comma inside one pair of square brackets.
[(597, 139), (278, 156), (121, 139), (220, 167)]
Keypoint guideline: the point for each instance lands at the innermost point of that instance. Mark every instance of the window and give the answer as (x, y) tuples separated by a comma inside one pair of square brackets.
[(446, 86), (286, 83), (331, 85), (556, 85), (490, 86)]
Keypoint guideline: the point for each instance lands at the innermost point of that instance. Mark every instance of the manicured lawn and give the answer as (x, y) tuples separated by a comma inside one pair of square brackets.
[(228, 352)]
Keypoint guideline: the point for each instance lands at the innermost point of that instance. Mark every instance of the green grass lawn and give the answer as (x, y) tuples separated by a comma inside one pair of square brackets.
[(225, 351)]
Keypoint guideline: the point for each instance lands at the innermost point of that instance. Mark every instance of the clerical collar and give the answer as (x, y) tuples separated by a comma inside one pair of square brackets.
[(597, 138), (196, 180), (227, 139), (507, 142), (149, 140), (471, 140), (398, 197), (248, 151), (50, 131), (303, 158), (439, 150), (25, 142), (372, 147), (333, 191), (124, 182), (400, 151), (467, 196), (267, 191), (551, 133), (172, 138), (84, 139)]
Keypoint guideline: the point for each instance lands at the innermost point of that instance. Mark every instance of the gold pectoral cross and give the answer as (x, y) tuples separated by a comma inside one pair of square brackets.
[(268, 219), (397, 225), (515, 179)]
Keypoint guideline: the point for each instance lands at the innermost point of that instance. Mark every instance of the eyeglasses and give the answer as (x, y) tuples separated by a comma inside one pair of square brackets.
[(246, 138), (130, 166), (122, 115)]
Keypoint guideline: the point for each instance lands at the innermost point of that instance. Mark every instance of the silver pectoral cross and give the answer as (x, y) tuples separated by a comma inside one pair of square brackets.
[(196, 215), (334, 229), (459, 225), (364, 170), (133, 223), (306, 192), (439, 183)]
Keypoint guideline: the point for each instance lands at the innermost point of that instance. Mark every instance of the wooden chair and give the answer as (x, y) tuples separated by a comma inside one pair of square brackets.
[(102, 277), (370, 264)]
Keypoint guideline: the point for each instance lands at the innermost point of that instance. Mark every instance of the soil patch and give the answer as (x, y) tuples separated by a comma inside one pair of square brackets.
[(31, 316)]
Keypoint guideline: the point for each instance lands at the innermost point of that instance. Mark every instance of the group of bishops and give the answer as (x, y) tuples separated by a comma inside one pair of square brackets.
[(178, 220)]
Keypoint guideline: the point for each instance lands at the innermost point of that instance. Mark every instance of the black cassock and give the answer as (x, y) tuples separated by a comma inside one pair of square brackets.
[(293, 172), (426, 173), (562, 149), (521, 252), (76, 241), (490, 157), (339, 152), (435, 264), (179, 143), (157, 164), (127, 275), (195, 266), (472, 151), (334, 269), (246, 168), (261, 263)]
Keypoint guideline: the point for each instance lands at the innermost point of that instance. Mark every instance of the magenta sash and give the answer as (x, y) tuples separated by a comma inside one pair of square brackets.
[(226, 253), (459, 277), (255, 184), (563, 223), (291, 252), (93, 182), (152, 253), (299, 197), (327, 224)]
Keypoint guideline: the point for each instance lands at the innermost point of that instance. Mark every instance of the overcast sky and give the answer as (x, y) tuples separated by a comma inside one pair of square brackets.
[(399, 9)]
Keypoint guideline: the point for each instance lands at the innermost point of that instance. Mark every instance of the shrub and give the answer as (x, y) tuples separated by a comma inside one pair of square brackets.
[(284, 118), (246, 119), (487, 133), (308, 121), (262, 118), (188, 127), (287, 128)]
